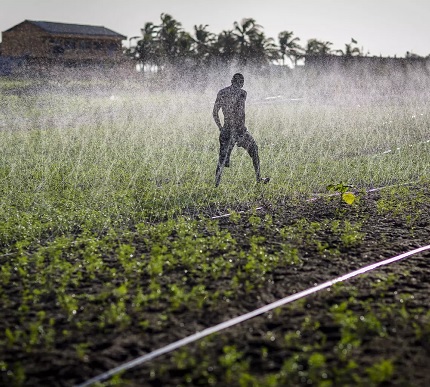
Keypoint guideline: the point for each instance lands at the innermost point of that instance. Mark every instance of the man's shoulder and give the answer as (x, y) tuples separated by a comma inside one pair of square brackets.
[(242, 93), (225, 90), (229, 90)]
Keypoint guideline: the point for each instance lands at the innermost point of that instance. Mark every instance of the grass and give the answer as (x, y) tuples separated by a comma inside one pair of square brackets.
[(100, 162), (104, 217)]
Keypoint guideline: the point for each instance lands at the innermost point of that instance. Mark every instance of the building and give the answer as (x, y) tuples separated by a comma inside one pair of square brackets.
[(60, 43)]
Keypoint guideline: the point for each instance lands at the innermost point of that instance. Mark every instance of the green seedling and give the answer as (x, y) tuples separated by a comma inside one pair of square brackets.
[(344, 190)]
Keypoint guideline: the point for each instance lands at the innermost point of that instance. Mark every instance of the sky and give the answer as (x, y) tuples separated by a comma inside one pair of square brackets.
[(381, 27)]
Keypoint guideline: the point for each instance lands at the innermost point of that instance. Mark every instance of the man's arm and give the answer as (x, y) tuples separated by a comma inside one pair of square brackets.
[(217, 107), (239, 109)]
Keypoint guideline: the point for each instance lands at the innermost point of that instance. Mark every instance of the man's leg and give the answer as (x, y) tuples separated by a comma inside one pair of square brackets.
[(247, 142), (226, 145)]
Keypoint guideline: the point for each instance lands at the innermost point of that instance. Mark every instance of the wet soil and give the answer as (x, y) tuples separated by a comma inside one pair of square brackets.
[(281, 343)]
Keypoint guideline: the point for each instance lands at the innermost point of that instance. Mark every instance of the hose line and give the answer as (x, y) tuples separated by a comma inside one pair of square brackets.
[(239, 319)]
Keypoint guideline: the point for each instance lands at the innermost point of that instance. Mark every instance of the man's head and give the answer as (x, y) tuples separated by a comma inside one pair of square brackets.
[(238, 80)]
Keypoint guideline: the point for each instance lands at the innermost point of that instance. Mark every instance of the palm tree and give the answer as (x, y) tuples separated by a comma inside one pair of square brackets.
[(147, 48), (262, 50), (168, 33), (318, 47), (226, 46), (184, 45), (247, 33), (204, 43), (350, 51), (288, 46)]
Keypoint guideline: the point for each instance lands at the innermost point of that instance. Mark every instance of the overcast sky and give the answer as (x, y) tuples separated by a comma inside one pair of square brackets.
[(381, 27)]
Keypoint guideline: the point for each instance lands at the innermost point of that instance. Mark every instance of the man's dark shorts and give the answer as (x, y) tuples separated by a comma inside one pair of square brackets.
[(228, 138)]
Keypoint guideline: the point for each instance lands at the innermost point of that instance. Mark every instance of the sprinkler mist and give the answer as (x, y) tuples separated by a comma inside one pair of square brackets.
[(109, 210), (154, 127)]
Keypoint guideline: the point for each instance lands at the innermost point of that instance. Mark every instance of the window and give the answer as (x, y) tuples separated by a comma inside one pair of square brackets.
[(57, 50), (69, 44), (85, 45), (112, 46)]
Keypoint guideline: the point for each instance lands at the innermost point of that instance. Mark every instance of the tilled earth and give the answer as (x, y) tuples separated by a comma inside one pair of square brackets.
[(374, 329)]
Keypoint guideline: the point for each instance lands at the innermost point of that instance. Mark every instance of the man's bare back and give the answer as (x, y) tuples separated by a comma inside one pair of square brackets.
[(231, 100)]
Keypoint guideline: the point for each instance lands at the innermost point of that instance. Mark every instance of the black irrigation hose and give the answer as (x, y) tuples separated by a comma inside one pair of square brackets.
[(246, 316)]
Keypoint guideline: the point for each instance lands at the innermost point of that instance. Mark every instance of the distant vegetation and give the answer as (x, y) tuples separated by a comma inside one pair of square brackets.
[(167, 43)]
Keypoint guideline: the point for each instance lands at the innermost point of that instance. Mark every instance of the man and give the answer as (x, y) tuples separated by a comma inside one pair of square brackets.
[(234, 132)]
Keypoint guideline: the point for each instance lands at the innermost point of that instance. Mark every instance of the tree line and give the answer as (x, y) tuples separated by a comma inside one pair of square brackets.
[(167, 43)]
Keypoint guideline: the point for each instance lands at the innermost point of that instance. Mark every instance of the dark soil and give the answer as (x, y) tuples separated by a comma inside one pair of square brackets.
[(282, 343)]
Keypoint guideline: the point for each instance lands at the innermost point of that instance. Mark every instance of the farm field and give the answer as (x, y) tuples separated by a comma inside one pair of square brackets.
[(109, 248)]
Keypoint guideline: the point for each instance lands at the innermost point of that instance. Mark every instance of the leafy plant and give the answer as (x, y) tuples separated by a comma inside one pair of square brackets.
[(344, 190), (381, 371)]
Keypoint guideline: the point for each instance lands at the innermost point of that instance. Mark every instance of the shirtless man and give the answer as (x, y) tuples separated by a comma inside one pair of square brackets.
[(234, 132)]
